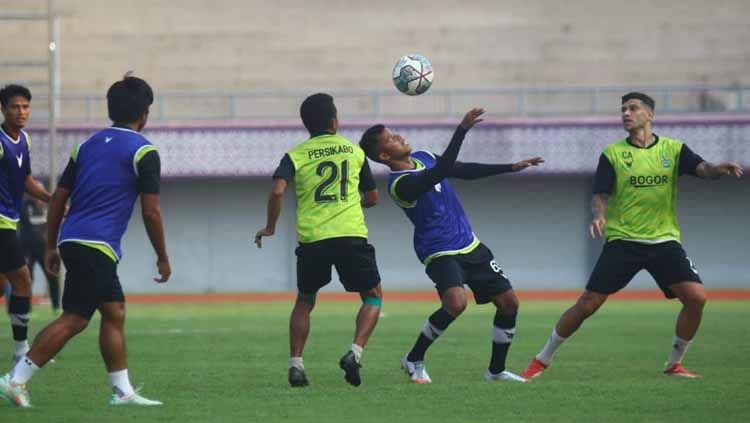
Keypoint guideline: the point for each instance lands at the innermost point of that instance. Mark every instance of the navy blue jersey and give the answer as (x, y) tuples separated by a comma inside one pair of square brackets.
[(105, 188), (14, 166), (440, 223)]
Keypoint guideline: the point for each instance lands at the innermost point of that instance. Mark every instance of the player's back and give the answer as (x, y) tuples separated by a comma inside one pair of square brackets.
[(326, 176), (105, 187)]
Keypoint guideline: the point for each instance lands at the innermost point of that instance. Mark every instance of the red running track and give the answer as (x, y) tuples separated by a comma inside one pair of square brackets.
[(262, 297)]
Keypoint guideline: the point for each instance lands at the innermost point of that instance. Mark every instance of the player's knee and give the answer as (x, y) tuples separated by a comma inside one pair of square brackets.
[(455, 306), (376, 292), (20, 284), (507, 304), (589, 303), (695, 300), (116, 316), (306, 299), (74, 323)]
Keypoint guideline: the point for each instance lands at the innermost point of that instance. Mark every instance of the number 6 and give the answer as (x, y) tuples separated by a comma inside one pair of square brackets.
[(495, 267)]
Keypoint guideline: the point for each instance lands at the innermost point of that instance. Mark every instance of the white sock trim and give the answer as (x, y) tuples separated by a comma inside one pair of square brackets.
[(357, 350), (502, 336), (20, 347), (430, 331), (19, 319), (296, 362)]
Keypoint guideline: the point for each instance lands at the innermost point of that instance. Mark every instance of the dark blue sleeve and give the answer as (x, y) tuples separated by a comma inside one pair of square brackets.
[(366, 181), (689, 161), (285, 169), (604, 179), (149, 173), (68, 177)]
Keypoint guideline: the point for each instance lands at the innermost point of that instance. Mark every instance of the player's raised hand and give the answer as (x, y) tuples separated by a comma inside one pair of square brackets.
[(52, 261), (165, 271), (523, 164), (260, 234), (730, 168), (472, 118), (596, 228)]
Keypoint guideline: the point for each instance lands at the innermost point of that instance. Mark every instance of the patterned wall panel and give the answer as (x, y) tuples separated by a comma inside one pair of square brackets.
[(570, 147)]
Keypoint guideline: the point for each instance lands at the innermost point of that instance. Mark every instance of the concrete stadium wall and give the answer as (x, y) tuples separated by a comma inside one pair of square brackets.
[(250, 45), (536, 226)]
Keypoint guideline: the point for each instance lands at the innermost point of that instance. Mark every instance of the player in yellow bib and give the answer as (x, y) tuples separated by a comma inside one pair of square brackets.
[(634, 208), (329, 173)]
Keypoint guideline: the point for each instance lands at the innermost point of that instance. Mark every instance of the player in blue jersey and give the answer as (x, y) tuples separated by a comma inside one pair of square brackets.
[(444, 241), (103, 178), (15, 178)]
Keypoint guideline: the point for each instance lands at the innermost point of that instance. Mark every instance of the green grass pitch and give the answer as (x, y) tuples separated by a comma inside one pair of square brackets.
[(227, 362)]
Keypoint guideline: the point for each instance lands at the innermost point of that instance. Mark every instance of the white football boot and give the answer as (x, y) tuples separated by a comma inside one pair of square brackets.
[(502, 376), (415, 370), (15, 394), (133, 399)]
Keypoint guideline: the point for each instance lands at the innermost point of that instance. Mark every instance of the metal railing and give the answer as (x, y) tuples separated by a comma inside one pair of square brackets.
[(436, 104)]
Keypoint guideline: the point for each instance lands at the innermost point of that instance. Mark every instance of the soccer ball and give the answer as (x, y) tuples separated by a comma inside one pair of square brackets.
[(413, 74)]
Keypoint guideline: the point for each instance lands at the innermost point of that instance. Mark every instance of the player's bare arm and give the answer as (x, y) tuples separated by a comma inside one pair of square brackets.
[(275, 202), (36, 189), (370, 199), (55, 213), (709, 170), (598, 210), (151, 213)]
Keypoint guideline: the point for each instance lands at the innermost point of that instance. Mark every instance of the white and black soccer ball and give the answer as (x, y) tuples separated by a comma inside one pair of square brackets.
[(413, 74)]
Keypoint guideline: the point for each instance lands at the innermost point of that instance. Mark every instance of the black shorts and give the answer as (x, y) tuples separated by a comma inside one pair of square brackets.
[(620, 260), (11, 252), (477, 269), (353, 257), (90, 279)]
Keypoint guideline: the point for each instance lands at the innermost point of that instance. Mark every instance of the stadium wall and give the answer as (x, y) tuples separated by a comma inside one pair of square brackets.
[(217, 182), (251, 45), (535, 225)]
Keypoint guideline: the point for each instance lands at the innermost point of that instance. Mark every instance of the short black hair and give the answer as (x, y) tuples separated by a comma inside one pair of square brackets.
[(128, 99), (13, 90), (317, 111), (647, 100), (369, 142)]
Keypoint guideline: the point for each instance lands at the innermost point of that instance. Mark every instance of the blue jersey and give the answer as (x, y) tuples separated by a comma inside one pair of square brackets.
[(14, 166), (105, 188), (440, 223)]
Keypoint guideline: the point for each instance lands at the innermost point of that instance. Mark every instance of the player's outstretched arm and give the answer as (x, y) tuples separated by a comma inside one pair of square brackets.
[(36, 189), (273, 211), (55, 213), (471, 171), (151, 213), (410, 187), (709, 170), (449, 156), (599, 211)]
